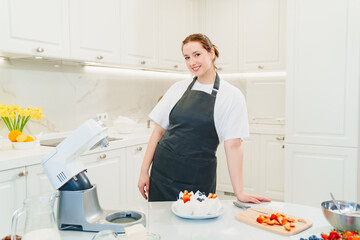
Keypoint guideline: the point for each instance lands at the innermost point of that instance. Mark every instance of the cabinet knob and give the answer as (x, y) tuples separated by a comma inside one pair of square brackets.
[(219, 69), (143, 62), (280, 138), (99, 57), (40, 50), (261, 67), (23, 173), (139, 148), (176, 66), (283, 146), (102, 156)]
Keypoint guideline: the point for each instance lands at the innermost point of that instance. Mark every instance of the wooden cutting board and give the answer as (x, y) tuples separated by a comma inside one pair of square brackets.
[(249, 216)]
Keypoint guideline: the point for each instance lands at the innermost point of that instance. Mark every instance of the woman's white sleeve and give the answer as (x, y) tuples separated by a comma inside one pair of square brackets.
[(235, 120)]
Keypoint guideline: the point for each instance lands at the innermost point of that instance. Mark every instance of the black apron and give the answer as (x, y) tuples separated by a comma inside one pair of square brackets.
[(185, 157)]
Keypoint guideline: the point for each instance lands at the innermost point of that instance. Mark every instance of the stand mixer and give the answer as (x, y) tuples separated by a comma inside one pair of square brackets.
[(78, 205)]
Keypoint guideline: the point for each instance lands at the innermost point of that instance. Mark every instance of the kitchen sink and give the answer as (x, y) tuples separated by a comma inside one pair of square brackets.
[(56, 141)]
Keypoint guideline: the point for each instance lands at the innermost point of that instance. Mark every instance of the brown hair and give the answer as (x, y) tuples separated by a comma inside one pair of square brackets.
[(205, 42)]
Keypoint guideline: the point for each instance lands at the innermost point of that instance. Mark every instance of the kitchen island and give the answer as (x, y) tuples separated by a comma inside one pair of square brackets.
[(162, 221)]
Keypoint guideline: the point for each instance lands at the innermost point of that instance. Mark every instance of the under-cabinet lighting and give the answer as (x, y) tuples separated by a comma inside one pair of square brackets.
[(38, 57)]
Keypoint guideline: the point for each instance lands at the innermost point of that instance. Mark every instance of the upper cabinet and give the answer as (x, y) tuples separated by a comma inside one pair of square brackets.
[(139, 32), (95, 30), (261, 35), (177, 20), (219, 22), (37, 27), (152, 32), (249, 34)]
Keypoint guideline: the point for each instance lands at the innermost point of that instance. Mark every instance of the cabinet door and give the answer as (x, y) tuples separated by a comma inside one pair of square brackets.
[(37, 27), (12, 195), (324, 68), (104, 170), (251, 164), (220, 23), (262, 35), (37, 182), (178, 19), (95, 30), (139, 30), (250, 167), (130, 175), (272, 166), (312, 172)]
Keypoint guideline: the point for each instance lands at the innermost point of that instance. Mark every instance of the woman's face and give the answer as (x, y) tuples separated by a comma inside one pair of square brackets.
[(197, 59)]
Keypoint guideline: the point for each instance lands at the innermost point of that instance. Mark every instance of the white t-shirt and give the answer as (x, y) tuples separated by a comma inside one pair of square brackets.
[(230, 113)]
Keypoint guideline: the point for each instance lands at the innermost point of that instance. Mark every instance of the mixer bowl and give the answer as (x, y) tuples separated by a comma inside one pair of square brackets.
[(346, 220)]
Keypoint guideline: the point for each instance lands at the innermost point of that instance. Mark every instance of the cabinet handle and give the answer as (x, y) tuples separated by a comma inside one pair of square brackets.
[(99, 57), (102, 156), (282, 138), (40, 50), (176, 66), (261, 67), (23, 173), (139, 149), (143, 62)]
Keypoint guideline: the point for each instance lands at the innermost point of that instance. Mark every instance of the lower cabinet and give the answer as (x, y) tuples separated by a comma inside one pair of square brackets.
[(12, 195), (312, 172), (115, 172), (263, 166), (103, 170)]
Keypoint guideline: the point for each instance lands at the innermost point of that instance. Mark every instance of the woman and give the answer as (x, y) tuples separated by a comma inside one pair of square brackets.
[(190, 119)]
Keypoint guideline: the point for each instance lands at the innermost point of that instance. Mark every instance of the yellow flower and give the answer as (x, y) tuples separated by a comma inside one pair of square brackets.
[(16, 117)]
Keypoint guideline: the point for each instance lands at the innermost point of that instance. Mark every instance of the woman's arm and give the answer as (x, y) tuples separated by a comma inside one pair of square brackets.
[(234, 155), (144, 178)]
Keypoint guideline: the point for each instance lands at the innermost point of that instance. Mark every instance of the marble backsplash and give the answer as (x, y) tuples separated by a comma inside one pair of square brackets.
[(69, 95)]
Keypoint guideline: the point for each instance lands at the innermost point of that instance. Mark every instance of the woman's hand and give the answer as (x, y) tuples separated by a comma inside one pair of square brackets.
[(143, 184), (250, 198)]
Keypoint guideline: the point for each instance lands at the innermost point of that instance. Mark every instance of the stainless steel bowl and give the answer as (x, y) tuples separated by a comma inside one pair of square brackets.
[(344, 220)]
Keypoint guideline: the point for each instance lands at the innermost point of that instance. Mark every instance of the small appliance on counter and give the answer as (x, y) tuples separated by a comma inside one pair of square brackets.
[(78, 205)]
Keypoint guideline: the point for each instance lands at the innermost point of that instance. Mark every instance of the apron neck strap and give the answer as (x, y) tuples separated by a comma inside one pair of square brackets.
[(215, 86)]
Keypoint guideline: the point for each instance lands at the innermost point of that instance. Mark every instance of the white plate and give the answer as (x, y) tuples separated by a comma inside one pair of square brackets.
[(26, 145), (218, 213)]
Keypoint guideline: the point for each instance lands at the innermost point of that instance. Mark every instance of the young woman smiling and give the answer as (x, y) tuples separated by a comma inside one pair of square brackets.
[(191, 119)]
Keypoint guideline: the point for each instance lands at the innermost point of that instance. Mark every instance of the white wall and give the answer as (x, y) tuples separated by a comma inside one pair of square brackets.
[(69, 95)]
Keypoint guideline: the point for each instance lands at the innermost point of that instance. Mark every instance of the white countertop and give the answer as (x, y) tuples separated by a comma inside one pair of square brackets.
[(12, 158), (161, 220)]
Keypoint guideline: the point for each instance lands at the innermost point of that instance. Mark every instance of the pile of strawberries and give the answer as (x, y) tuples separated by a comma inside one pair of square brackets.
[(277, 219)]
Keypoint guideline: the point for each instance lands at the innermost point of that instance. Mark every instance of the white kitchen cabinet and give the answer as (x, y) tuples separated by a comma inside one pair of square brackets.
[(38, 27), (322, 101), (12, 194), (322, 89), (262, 35), (263, 166), (95, 30), (219, 21), (131, 172), (37, 182), (139, 32), (105, 170), (177, 20), (312, 172)]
